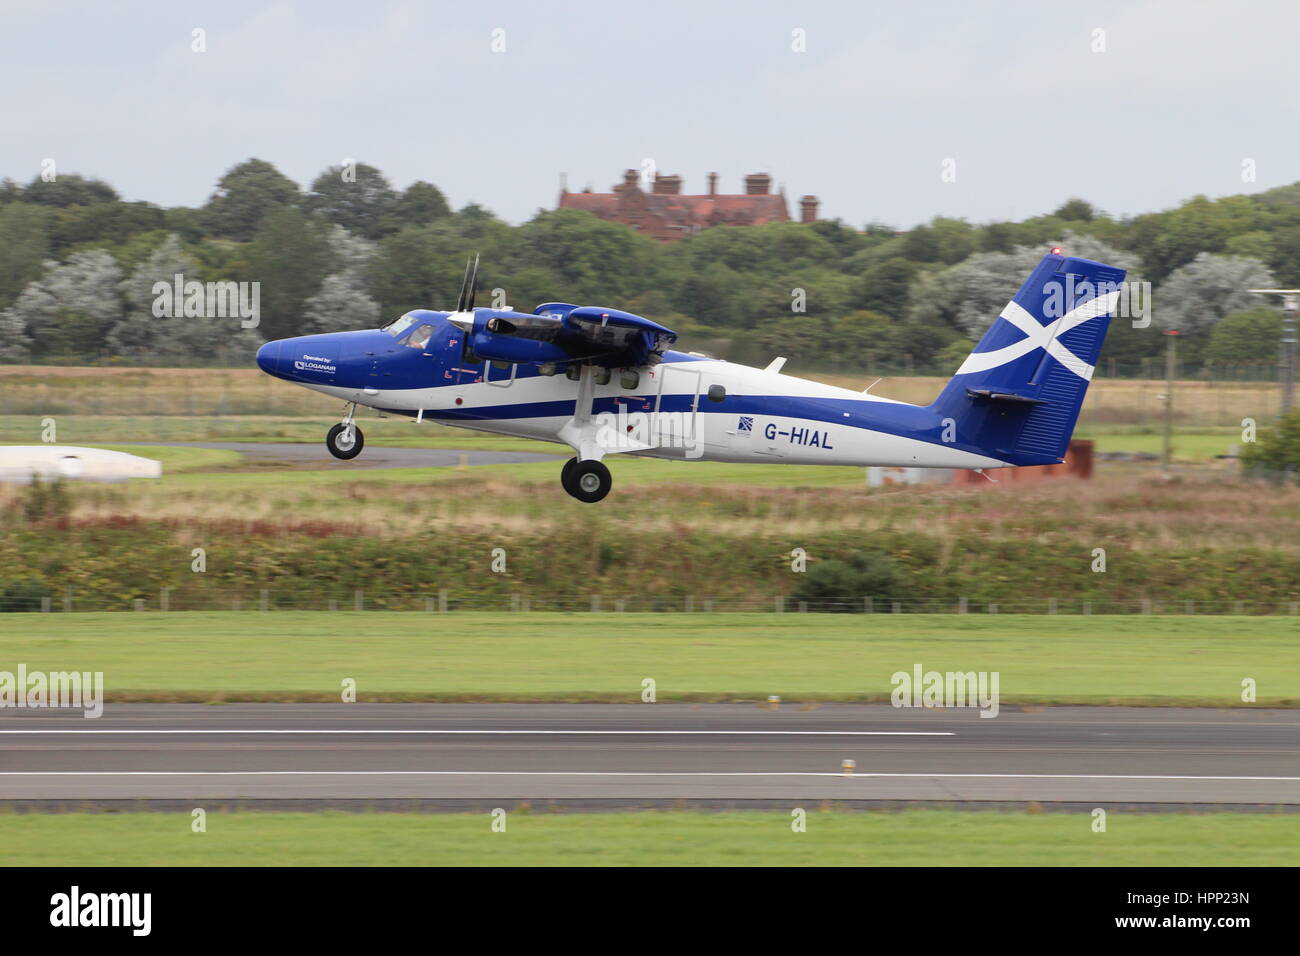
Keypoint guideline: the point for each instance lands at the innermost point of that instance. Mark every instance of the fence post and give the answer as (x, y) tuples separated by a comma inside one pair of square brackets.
[(690, 603), (780, 605), (961, 604), (67, 602), (164, 599), (803, 607), (45, 605), (868, 605), (1087, 607), (1051, 605), (442, 600), (264, 599), (1146, 605), (595, 603), (993, 609), (359, 599)]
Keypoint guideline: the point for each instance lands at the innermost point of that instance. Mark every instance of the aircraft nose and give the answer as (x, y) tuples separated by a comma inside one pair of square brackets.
[(268, 357)]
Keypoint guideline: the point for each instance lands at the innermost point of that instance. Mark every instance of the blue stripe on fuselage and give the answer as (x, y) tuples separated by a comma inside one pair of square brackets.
[(906, 421)]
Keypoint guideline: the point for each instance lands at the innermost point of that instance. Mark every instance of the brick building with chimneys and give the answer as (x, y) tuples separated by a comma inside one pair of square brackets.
[(665, 213)]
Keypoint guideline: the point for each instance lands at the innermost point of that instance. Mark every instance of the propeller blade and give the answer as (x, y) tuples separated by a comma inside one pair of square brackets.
[(464, 284), (473, 285)]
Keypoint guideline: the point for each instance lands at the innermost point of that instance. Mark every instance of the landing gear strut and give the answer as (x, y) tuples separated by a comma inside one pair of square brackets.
[(587, 481), (345, 440)]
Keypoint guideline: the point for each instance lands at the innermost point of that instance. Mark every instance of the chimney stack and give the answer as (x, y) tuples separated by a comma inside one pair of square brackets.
[(808, 209), (667, 185), (757, 184), (713, 184), (630, 176)]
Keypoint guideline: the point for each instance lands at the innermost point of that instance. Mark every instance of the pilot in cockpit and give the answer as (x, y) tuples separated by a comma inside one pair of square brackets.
[(420, 337)]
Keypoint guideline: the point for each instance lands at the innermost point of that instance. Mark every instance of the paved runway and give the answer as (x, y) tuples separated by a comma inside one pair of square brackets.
[(372, 456), (704, 752)]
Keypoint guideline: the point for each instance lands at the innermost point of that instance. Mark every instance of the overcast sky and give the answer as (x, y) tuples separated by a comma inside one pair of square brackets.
[(1184, 92)]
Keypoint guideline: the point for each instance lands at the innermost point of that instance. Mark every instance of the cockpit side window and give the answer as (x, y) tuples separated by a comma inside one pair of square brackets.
[(420, 337), (398, 326)]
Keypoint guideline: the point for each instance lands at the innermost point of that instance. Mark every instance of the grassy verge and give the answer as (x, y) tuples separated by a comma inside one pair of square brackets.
[(123, 429), (179, 460), (651, 838), (249, 655), (1191, 443)]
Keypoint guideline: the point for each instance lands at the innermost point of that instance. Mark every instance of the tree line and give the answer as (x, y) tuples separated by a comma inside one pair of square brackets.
[(79, 264)]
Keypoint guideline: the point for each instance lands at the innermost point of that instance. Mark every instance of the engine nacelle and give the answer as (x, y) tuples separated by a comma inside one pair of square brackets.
[(558, 333), (517, 337)]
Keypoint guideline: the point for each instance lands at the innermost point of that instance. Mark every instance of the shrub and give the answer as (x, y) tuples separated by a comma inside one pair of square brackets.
[(23, 596), (841, 584), (1277, 452), (45, 501)]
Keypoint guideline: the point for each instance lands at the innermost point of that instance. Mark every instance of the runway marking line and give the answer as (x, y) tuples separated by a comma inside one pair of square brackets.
[(606, 773), (618, 733)]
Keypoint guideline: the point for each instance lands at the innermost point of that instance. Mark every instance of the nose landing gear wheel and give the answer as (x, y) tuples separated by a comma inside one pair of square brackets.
[(588, 481), (345, 441)]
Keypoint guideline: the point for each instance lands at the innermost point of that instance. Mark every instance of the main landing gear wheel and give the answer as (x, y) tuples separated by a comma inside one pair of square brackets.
[(345, 441), (566, 475), (588, 481)]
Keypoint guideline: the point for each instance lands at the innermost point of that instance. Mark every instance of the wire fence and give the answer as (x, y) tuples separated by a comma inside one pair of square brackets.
[(446, 601)]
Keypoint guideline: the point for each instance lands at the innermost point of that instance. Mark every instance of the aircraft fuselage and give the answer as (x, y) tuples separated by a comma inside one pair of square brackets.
[(686, 406)]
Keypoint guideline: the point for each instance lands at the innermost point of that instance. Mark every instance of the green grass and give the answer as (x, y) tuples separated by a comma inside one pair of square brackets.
[(393, 431), (180, 460), (176, 460), (1189, 444), (651, 838), (289, 655), (628, 471)]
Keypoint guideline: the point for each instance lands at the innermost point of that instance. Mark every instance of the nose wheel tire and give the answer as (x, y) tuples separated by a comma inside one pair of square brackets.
[(345, 441), (587, 481)]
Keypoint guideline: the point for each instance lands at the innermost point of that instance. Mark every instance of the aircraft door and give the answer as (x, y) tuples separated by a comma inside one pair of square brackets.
[(678, 409)]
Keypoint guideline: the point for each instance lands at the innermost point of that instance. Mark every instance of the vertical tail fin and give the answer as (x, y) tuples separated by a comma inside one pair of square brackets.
[(1017, 396)]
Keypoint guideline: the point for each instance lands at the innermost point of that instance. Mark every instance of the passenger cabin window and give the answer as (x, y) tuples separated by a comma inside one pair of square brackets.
[(420, 337)]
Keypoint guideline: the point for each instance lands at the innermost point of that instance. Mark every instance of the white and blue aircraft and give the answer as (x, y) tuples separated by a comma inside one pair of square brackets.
[(605, 382)]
